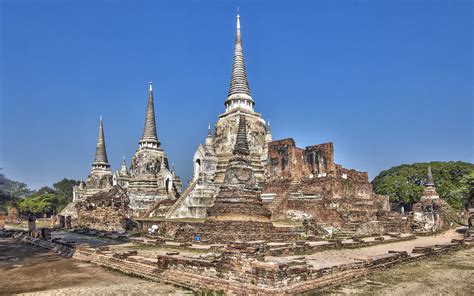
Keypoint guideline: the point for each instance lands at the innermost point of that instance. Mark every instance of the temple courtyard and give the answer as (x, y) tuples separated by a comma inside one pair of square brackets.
[(258, 216), (29, 269)]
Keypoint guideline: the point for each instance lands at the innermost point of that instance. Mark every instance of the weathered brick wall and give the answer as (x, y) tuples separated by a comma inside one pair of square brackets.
[(241, 263), (174, 229), (219, 231), (319, 159), (102, 218), (285, 160), (105, 211), (308, 182), (318, 209)]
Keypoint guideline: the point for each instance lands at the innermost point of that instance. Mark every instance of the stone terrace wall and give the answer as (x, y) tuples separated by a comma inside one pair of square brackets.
[(220, 231)]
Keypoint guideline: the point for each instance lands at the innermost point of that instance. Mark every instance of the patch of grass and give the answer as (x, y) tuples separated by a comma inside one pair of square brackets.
[(23, 225), (445, 274)]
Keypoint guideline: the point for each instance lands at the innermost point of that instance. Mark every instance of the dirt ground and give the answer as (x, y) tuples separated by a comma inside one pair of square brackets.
[(25, 269), (33, 271), (334, 257), (449, 274)]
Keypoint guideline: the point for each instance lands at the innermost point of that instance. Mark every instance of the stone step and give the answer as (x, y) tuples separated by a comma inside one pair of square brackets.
[(275, 203)]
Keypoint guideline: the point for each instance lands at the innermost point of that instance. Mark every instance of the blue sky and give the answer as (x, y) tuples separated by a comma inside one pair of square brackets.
[(389, 82)]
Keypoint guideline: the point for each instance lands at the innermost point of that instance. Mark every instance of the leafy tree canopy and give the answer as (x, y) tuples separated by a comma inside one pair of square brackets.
[(39, 204), (404, 183), (65, 187), (45, 200), (11, 192)]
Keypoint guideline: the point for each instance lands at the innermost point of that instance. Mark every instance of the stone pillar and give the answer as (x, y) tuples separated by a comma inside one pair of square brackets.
[(31, 224)]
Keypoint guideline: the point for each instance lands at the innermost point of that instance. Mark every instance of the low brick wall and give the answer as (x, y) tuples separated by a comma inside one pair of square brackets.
[(219, 231), (300, 248), (239, 272), (128, 264)]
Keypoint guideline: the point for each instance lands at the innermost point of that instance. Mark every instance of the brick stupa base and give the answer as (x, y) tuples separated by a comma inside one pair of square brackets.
[(238, 213)]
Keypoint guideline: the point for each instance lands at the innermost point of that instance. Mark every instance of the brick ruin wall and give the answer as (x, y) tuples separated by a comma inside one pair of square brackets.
[(219, 231), (104, 211), (102, 218), (308, 182)]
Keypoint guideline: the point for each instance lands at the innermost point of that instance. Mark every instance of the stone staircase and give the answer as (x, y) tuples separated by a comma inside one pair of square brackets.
[(348, 230), (181, 199), (275, 203)]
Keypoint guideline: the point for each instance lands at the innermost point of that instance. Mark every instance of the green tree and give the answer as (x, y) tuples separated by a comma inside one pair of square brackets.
[(404, 183), (64, 189), (44, 203), (11, 192), (45, 200), (65, 186)]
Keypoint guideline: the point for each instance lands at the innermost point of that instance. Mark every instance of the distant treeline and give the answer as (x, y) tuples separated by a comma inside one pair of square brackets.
[(454, 182), (45, 200)]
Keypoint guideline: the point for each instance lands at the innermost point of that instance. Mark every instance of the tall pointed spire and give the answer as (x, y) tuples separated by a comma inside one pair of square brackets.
[(209, 134), (123, 169), (429, 177), (239, 87), (100, 151), (268, 135), (241, 143), (149, 138)]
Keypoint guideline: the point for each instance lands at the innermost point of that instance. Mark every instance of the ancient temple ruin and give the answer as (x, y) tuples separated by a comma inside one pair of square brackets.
[(238, 212), (100, 177), (99, 180), (105, 211), (275, 180), (149, 178), (429, 192), (306, 184), (431, 213), (259, 217), (296, 183), (239, 195), (210, 160)]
